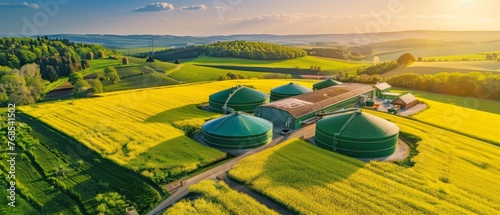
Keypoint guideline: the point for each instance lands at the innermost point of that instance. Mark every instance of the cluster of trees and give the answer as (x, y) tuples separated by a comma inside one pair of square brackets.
[(346, 53), (316, 69), (231, 76), (56, 57), (379, 68), (369, 79), (21, 86), (475, 84), (493, 56), (406, 59), (111, 203), (83, 87)]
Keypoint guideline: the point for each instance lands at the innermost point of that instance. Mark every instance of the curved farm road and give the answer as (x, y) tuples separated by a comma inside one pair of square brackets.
[(220, 170)]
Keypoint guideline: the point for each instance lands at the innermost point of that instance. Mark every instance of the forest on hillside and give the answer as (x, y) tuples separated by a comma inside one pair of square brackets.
[(236, 49), (55, 57)]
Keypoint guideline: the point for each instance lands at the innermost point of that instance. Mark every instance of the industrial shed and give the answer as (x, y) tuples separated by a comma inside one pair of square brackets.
[(405, 101), (293, 112), (382, 88)]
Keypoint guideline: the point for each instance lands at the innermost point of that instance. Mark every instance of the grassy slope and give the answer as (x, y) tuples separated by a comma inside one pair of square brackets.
[(135, 128), (465, 102), (218, 198), (423, 68), (444, 51), (453, 174), (303, 63)]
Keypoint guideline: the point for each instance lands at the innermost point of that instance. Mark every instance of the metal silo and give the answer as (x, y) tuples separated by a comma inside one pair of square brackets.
[(357, 134), (237, 98), (237, 131), (326, 83), (288, 90)]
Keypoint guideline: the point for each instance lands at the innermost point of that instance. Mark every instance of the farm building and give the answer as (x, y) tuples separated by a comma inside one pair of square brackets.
[(405, 101), (382, 88), (288, 90), (125, 61), (90, 56), (357, 134), (239, 98), (237, 131), (390, 95), (326, 83), (295, 111)]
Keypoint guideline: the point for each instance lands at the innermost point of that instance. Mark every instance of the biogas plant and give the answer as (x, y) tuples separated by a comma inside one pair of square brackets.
[(329, 116)]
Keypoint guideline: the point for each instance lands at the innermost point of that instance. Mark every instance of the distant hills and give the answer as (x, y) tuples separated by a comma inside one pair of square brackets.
[(134, 41)]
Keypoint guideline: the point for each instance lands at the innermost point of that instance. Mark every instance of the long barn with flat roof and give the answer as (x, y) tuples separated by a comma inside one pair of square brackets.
[(293, 112)]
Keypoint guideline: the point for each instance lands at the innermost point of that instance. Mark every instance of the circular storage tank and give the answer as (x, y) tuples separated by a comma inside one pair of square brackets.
[(357, 134), (237, 131), (326, 83), (238, 98), (288, 90)]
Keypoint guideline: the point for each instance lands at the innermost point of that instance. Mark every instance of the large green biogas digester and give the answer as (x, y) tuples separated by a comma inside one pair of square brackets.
[(239, 98), (357, 134), (288, 90), (237, 131), (326, 83)]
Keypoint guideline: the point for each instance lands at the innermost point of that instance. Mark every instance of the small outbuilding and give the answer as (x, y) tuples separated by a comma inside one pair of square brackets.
[(405, 101), (382, 88), (125, 61)]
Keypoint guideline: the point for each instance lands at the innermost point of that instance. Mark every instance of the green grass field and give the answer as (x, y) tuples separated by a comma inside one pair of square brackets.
[(218, 198), (445, 51), (86, 174), (137, 50), (423, 68), (327, 64)]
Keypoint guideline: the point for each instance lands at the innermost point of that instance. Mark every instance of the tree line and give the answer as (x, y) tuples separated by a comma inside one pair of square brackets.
[(379, 68), (346, 53), (236, 49), (474, 84)]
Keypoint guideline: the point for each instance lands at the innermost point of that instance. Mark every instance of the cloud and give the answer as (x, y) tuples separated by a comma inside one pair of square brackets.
[(194, 7), (19, 5), (217, 7), (155, 7)]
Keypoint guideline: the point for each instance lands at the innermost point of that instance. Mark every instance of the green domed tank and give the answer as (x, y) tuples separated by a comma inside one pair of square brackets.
[(237, 98), (288, 90), (326, 83), (237, 131), (357, 134)]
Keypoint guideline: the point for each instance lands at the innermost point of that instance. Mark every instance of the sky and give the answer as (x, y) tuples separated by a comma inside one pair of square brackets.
[(229, 17)]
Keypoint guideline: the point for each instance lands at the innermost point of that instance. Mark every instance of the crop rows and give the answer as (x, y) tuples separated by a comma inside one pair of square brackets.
[(453, 174), (218, 198)]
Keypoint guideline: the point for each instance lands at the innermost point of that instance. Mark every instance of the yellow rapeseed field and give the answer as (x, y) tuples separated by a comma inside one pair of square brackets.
[(135, 128), (467, 120), (218, 198), (453, 174)]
